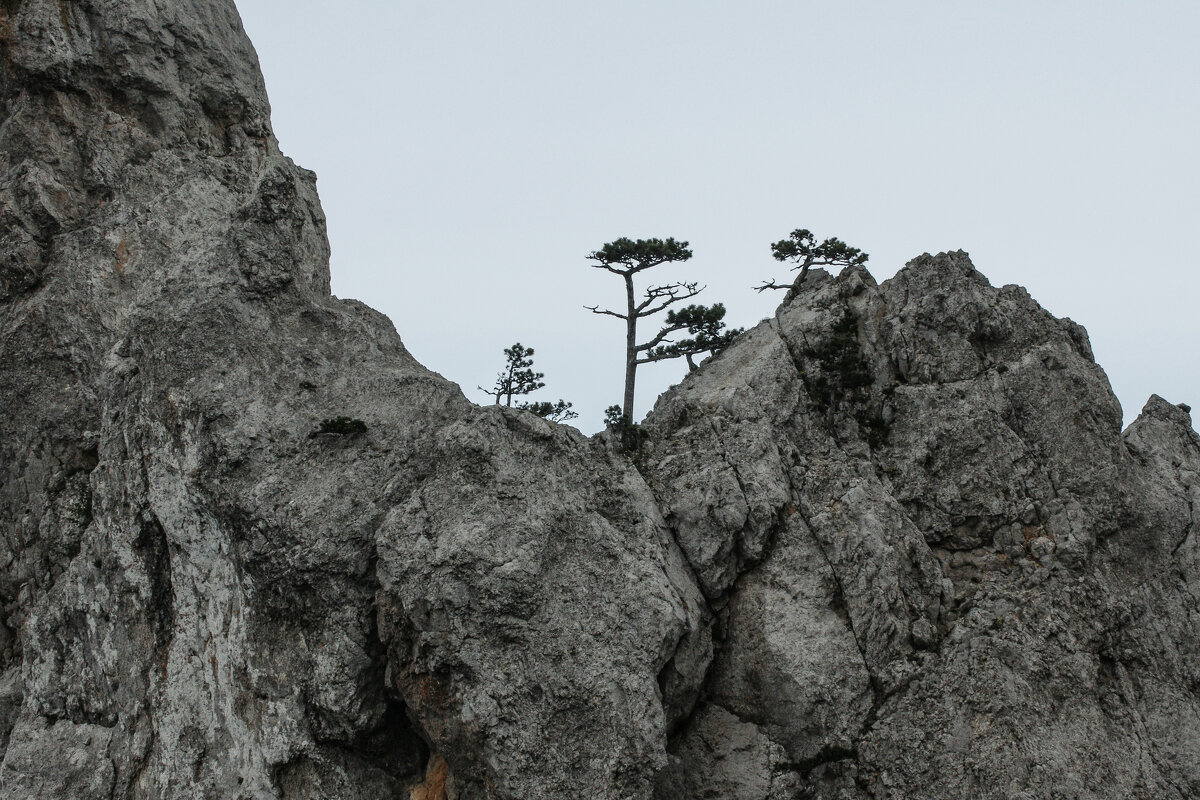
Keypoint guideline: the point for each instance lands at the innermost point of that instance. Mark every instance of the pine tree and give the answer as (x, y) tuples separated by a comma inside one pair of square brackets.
[(627, 258), (802, 249), (519, 378), (558, 411)]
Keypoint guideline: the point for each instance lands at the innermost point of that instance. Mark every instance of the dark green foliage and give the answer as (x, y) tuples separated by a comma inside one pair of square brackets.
[(842, 367), (802, 245), (341, 426), (641, 254), (613, 416), (842, 378), (875, 430), (559, 411), (628, 433), (801, 248), (518, 376), (706, 324)]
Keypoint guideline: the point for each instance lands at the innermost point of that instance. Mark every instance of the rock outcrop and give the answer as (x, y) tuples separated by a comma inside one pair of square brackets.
[(937, 566), (889, 544)]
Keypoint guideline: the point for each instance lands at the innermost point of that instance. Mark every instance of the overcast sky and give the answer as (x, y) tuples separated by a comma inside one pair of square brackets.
[(471, 154)]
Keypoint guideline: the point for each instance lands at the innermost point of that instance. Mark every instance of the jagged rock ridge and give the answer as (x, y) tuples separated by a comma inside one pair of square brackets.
[(944, 574), (891, 543)]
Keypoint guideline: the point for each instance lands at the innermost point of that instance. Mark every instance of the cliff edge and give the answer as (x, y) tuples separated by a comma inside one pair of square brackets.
[(891, 543)]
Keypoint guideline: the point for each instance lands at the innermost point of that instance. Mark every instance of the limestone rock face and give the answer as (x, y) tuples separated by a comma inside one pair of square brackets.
[(937, 566), (891, 543), (204, 595)]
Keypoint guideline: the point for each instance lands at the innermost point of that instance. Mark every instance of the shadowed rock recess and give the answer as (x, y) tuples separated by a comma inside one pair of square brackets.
[(891, 543)]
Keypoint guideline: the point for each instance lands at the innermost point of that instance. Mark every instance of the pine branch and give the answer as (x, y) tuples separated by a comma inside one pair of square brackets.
[(598, 310)]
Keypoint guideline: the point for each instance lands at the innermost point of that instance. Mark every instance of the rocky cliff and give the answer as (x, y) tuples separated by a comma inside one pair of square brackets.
[(892, 543)]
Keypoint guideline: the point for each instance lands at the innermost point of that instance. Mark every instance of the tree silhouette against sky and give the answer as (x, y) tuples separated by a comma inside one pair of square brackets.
[(802, 249), (626, 258)]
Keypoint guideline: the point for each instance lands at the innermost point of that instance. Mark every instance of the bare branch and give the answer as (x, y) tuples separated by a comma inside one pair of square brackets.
[(598, 310), (660, 338), (609, 267), (659, 292), (670, 302), (640, 307), (772, 285), (691, 290)]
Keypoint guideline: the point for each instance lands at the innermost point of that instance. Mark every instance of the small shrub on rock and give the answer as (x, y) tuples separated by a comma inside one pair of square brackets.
[(840, 377), (627, 432), (341, 426)]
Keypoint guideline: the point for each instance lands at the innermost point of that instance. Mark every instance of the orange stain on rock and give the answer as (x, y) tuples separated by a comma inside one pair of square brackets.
[(122, 256), (434, 785)]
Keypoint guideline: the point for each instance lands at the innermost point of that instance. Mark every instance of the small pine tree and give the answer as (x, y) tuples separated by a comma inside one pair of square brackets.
[(613, 416), (628, 433), (802, 249), (518, 377), (558, 411)]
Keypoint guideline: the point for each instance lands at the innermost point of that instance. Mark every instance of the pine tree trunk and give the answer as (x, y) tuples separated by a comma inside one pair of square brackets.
[(630, 349), (799, 280)]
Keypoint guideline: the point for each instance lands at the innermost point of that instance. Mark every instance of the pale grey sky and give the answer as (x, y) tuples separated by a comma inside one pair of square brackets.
[(470, 154)]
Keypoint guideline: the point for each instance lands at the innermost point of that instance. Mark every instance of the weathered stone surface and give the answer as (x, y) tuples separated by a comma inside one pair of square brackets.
[(952, 496), (204, 596), (890, 544)]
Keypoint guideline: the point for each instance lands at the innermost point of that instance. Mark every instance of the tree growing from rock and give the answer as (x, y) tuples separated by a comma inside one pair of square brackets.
[(620, 425), (519, 378), (801, 248), (626, 258), (558, 411)]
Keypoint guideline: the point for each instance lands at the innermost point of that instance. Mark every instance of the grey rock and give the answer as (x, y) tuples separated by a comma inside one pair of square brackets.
[(723, 756), (202, 597), (1015, 573), (904, 552)]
